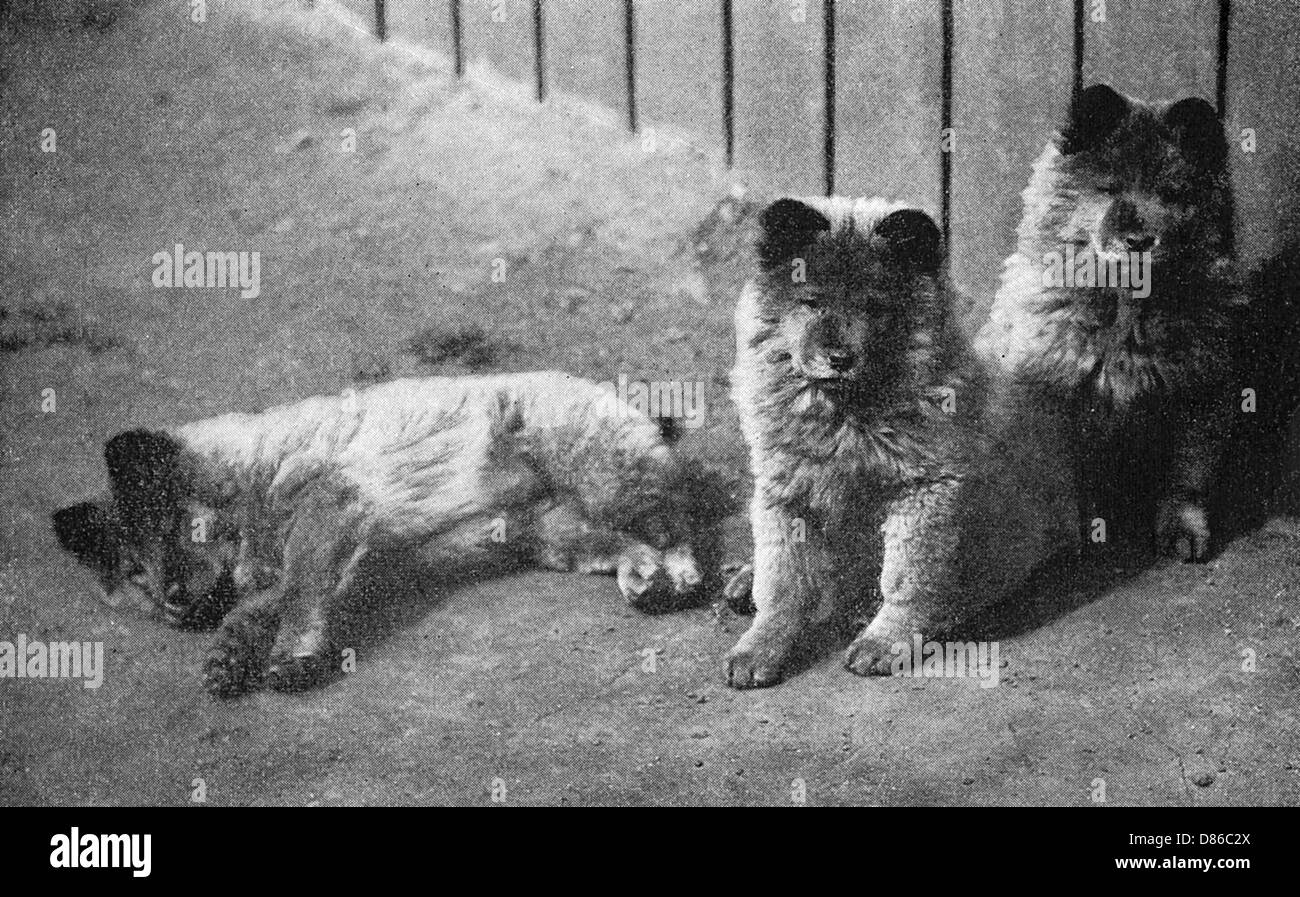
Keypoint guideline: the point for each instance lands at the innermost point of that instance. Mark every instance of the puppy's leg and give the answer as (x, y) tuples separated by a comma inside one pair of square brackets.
[(323, 549), (645, 579), (1182, 526), (575, 533), (788, 577), (648, 579), (236, 663), (919, 576)]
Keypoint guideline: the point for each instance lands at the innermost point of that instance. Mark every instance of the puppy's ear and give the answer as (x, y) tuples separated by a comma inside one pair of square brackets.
[(142, 470), (88, 532), (1095, 113), (1198, 132), (787, 227), (909, 239)]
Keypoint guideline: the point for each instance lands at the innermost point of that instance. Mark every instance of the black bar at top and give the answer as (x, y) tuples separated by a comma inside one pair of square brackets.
[(629, 46), (1221, 89), (539, 50), (1078, 47), (1221, 73), (828, 114), (728, 85), (945, 123), (381, 23), (457, 55)]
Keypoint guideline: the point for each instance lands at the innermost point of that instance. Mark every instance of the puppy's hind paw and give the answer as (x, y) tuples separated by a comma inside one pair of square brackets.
[(1183, 530), (297, 673), (868, 656)]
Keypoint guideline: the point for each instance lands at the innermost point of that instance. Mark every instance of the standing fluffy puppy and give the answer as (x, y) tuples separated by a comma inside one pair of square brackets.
[(462, 476), (1119, 384), (860, 404)]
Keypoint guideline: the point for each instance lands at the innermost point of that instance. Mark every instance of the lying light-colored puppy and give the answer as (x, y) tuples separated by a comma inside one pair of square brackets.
[(466, 476)]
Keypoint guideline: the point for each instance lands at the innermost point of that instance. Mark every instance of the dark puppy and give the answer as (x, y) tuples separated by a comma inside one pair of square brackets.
[(1111, 329)]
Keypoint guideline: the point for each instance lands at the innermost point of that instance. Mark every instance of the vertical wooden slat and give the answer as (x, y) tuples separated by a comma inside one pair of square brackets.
[(778, 96), (1013, 71), (1153, 49), (1221, 65), (539, 50), (1077, 80), (500, 33), (945, 125), (888, 106), (828, 96), (728, 83), (457, 39), (678, 76), (586, 58), (1221, 81), (629, 60), (1263, 94)]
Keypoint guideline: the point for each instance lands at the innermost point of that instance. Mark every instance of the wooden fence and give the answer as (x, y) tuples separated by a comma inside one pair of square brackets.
[(856, 96)]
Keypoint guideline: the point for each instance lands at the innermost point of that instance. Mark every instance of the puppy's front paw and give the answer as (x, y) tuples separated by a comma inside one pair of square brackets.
[(236, 663), (291, 673), (1182, 529), (869, 656), (754, 665)]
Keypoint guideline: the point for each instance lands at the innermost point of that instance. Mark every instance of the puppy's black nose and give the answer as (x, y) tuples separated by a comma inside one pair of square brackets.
[(840, 361), (1140, 242)]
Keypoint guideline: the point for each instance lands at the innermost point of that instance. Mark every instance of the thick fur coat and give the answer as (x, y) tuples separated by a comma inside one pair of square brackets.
[(861, 405), (462, 476), (1125, 394)]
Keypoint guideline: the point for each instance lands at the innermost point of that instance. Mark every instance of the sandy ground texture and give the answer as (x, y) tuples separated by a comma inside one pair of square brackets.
[(230, 136)]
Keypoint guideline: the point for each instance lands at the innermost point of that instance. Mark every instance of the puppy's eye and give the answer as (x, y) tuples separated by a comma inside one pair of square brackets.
[(810, 301)]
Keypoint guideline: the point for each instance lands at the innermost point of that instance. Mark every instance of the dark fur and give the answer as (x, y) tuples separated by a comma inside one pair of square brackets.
[(1136, 395), (141, 536)]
